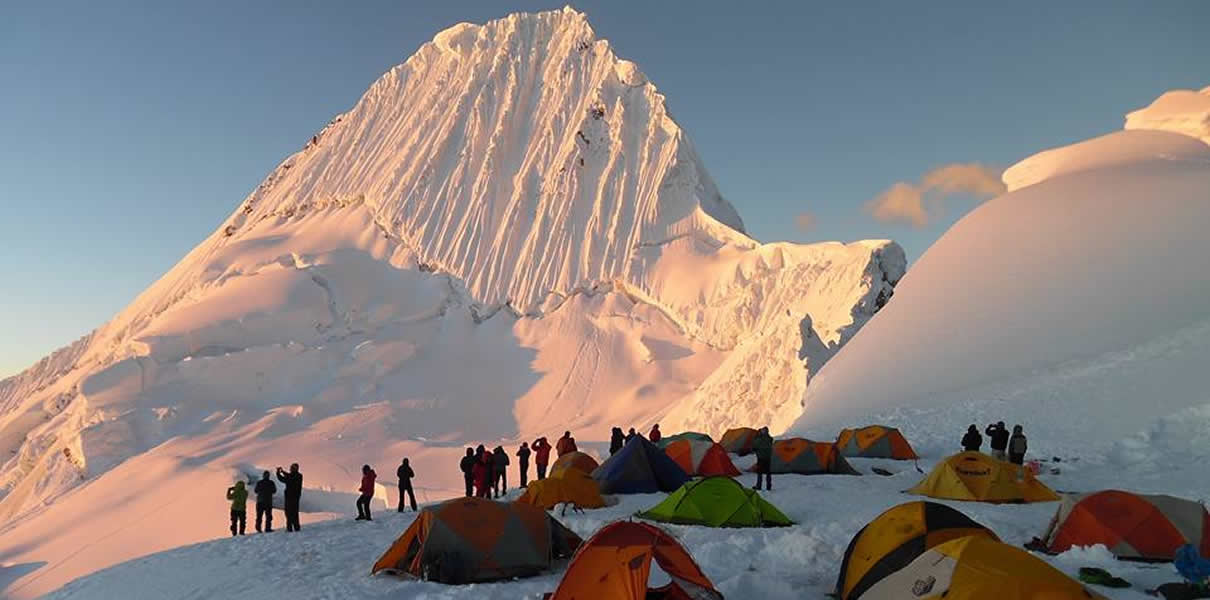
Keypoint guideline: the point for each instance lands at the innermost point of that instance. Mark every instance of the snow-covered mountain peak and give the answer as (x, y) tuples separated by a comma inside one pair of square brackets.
[(521, 155), (1181, 111)]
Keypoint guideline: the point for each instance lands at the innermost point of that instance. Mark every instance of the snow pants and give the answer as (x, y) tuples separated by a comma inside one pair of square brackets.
[(239, 519), (291, 510), (541, 471), (524, 473), (363, 507), (763, 469), (265, 511), (411, 495)]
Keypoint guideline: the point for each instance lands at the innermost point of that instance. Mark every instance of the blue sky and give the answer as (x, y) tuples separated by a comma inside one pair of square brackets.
[(131, 129)]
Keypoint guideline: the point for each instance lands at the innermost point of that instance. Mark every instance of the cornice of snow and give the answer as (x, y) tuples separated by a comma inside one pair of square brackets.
[(1180, 111)]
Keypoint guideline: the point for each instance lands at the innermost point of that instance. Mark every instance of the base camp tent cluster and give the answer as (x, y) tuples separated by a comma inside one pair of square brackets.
[(921, 549)]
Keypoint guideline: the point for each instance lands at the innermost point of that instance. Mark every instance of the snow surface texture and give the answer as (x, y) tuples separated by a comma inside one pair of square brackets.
[(507, 236), (1087, 269)]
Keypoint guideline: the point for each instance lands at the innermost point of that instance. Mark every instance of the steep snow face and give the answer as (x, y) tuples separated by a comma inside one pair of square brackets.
[(521, 156), (506, 237), (1092, 254), (1180, 111)]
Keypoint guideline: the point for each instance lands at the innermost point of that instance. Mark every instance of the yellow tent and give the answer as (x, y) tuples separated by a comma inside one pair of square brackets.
[(573, 486), (897, 537), (979, 477), (977, 568)]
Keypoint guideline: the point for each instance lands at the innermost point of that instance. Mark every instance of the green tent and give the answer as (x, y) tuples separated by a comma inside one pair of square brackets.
[(717, 502), (688, 435)]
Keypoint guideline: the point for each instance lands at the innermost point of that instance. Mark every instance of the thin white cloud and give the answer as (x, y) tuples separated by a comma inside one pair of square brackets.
[(918, 204)]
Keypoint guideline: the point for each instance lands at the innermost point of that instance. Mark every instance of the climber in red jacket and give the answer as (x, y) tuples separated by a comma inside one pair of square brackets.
[(541, 449), (367, 493), (565, 444)]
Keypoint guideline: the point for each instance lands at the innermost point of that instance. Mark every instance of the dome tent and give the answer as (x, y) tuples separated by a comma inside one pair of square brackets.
[(615, 563), (639, 467), (977, 568), (572, 487), (978, 477), (699, 457), (717, 502), (738, 440), (897, 537), (578, 461), (469, 540), (1132, 526), (805, 457), (875, 441)]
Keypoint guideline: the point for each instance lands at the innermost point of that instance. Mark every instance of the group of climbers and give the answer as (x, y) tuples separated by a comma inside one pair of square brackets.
[(484, 474), (1004, 446), (265, 489)]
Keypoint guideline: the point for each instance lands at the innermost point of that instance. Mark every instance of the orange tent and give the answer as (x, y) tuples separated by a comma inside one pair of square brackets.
[(738, 440), (875, 441), (573, 460), (616, 563), (1132, 526), (697, 457), (490, 540), (805, 457)]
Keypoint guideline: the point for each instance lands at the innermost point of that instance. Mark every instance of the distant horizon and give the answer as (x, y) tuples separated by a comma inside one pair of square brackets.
[(151, 131)]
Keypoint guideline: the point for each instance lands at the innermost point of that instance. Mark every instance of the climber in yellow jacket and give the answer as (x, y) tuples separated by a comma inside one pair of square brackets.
[(238, 495)]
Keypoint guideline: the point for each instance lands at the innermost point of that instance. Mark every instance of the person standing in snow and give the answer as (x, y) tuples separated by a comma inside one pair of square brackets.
[(293, 493), (265, 489), (500, 471), (482, 472), (998, 438), (762, 446), (565, 444), (467, 465), (368, 476), (655, 434), (1017, 446), (541, 449), (972, 441), (630, 435), (405, 475), (238, 495), (616, 440), (523, 463)]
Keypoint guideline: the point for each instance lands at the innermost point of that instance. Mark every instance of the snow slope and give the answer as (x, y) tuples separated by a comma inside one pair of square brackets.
[(333, 559), (1089, 267), (507, 236)]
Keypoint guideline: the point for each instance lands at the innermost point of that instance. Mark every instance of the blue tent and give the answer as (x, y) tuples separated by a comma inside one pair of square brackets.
[(639, 467)]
